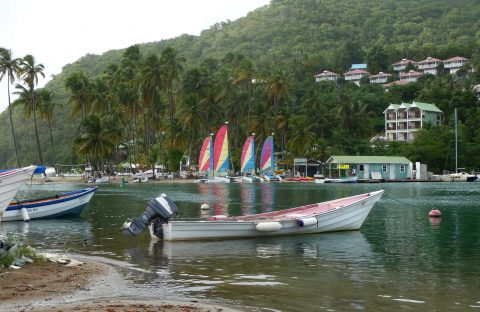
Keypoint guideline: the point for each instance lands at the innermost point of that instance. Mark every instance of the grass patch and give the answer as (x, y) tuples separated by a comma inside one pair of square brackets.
[(14, 249)]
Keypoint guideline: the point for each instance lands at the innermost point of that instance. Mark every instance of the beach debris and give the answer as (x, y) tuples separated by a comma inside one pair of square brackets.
[(63, 260)]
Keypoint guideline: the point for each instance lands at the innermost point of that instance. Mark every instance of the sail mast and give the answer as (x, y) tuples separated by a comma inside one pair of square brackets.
[(456, 142)]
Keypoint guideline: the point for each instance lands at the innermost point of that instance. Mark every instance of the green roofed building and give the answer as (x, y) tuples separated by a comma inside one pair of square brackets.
[(370, 167), (403, 120)]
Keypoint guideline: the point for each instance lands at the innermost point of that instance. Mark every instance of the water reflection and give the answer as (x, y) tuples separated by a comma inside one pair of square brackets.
[(268, 197), (247, 198), (50, 234)]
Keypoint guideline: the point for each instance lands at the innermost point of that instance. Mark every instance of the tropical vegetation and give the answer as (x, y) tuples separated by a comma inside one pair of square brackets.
[(156, 102)]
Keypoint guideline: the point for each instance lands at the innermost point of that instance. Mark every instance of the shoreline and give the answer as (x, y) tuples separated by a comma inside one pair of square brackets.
[(49, 286)]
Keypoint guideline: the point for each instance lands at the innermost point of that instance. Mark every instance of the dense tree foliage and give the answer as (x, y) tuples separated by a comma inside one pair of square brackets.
[(157, 101)]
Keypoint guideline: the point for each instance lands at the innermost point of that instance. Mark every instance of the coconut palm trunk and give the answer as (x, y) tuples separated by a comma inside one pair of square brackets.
[(11, 125), (37, 138)]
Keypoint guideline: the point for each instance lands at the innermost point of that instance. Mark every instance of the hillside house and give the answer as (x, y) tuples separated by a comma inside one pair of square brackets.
[(401, 66), (327, 76), (402, 121), (381, 77), (410, 76), (429, 65), (356, 75), (453, 64)]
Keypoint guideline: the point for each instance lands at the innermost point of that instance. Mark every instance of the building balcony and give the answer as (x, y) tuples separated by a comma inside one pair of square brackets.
[(428, 66), (414, 115)]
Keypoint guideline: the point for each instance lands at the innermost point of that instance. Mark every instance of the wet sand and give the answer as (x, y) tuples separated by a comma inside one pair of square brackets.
[(49, 286)]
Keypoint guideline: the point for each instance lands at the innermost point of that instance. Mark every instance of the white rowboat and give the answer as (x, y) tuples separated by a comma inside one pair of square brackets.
[(342, 214), (10, 183), (71, 203)]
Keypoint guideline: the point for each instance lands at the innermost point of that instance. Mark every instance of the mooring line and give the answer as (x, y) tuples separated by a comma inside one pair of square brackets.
[(395, 199)]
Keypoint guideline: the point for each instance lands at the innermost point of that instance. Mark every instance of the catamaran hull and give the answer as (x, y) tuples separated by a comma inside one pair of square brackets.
[(10, 183), (68, 204), (338, 218)]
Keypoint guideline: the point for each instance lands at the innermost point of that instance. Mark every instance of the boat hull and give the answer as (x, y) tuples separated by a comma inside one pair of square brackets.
[(67, 204), (10, 183), (339, 216), (342, 180)]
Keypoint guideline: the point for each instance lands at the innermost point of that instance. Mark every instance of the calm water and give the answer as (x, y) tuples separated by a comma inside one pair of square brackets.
[(399, 260)]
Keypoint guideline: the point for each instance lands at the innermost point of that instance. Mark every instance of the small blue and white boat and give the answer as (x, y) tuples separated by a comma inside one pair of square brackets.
[(71, 203)]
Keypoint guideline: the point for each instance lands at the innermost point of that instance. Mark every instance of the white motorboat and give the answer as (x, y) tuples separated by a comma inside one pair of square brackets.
[(462, 177), (342, 214), (10, 183), (352, 179)]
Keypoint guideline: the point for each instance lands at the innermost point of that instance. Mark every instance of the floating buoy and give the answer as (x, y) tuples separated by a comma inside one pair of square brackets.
[(434, 213), (204, 207)]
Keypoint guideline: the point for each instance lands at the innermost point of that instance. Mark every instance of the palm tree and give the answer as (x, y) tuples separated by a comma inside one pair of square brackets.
[(190, 117), (30, 72), (10, 68), (95, 139), (172, 66), (80, 86), (302, 137), (150, 81), (46, 106), (277, 89)]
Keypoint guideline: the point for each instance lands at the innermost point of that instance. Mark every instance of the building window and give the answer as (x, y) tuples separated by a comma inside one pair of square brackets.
[(402, 168), (361, 168), (384, 168)]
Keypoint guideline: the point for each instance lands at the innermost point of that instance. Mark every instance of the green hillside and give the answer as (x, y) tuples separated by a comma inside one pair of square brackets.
[(282, 45)]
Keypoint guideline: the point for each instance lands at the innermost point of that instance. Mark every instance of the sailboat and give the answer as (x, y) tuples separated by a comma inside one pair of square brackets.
[(248, 161), (266, 161), (205, 159), (219, 162), (459, 176)]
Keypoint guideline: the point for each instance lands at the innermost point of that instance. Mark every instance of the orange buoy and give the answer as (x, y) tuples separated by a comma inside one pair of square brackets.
[(435, 213)]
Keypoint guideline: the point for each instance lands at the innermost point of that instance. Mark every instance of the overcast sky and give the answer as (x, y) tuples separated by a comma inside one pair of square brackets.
[(58, 32)]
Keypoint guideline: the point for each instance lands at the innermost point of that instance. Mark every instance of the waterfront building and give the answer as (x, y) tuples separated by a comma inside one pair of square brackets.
[(371, 167)]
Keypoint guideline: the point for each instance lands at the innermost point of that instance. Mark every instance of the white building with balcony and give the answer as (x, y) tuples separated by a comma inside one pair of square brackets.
[(402, 121), (381, 77), (327, 76), (453, 64), (429, 65), (402, 65), (356, 75), (410, 76)]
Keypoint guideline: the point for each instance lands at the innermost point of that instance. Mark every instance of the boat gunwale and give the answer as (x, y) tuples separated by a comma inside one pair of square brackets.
[(282, 215), (52, 200)]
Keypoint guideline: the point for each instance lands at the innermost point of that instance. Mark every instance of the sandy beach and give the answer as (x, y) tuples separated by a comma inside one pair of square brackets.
[(49, 286)]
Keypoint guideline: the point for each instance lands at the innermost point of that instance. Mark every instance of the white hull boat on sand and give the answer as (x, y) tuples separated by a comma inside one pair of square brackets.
[(342, 214), (10, 183)]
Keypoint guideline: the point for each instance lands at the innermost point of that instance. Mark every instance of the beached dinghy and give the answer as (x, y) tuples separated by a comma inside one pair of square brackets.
[(71, 203), (342, 214)]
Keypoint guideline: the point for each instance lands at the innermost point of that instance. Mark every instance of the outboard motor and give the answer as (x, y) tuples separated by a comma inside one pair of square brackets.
[(159, 210)]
